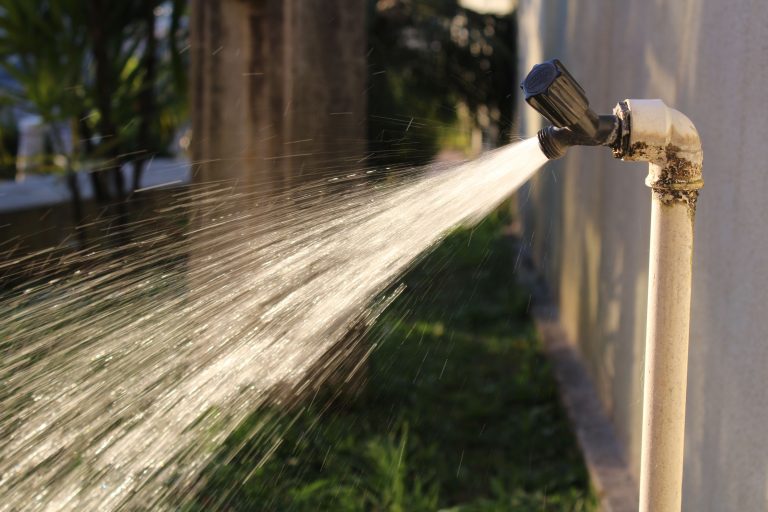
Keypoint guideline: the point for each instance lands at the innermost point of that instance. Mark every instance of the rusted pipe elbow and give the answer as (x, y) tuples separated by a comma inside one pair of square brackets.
[(639, 130), (652, 132)]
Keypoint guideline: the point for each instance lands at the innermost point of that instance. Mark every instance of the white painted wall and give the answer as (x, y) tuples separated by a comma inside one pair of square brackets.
[(588, 218)]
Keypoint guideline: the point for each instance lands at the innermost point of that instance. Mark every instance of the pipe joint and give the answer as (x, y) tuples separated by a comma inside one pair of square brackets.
[(668, 140), (554, 141), (638, 130)]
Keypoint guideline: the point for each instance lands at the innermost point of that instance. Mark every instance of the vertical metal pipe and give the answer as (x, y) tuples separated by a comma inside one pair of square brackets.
[(647, 131), (666, 353), (667, 139)]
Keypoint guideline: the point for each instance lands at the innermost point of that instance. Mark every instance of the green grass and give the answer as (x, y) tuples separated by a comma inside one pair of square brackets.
[(458, 410)]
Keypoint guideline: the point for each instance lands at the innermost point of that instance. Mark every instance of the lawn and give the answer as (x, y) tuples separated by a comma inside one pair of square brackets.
[(456, 409)]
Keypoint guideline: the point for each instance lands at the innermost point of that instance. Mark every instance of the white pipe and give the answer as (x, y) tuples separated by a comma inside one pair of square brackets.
[(667, 139), (648, 131)]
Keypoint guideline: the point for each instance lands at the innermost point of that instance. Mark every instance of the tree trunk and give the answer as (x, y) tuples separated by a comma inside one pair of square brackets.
[(277, 98), (104, 88), (277, 88), (77, 205), (147, 97)]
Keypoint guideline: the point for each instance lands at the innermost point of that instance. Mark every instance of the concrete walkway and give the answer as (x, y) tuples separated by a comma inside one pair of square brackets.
[(42, 190)]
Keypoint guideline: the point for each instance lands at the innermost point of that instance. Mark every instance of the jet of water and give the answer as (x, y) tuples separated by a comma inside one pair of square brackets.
[(118, 381)]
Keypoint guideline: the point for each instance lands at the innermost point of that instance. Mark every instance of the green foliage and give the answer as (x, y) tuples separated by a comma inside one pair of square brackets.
[(459, 412), (426, 58), (126, 77), (379, 481), (42, 46), (49, 48)]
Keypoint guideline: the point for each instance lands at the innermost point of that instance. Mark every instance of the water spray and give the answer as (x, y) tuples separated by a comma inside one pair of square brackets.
[(647, 131)]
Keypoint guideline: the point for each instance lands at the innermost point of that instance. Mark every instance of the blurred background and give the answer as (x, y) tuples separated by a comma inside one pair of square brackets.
[(121, 121), (101, 101)]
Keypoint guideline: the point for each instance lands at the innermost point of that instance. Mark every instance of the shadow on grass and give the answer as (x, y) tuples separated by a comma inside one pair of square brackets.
[(457, 411)]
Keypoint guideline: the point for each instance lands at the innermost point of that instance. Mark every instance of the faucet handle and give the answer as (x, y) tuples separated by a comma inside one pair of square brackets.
[(554, 93)]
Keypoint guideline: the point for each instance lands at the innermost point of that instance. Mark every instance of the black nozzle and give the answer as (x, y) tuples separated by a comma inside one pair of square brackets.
[(555, 94)]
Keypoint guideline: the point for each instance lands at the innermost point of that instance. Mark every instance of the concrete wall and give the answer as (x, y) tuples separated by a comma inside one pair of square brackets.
[(588, 218)]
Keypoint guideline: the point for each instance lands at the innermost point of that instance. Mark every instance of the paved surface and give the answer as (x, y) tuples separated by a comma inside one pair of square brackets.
[(37, 191)]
